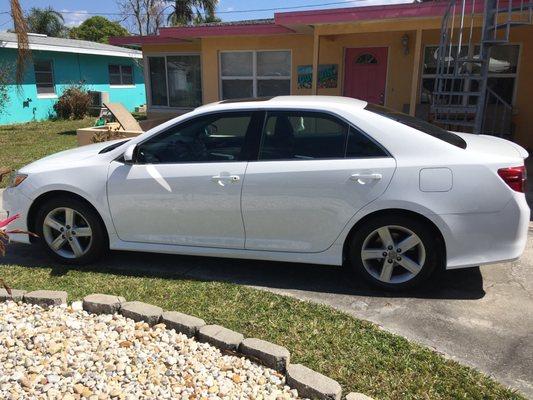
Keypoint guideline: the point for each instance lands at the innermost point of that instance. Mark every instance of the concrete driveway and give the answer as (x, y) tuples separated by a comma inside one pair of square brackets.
[(482, 317)]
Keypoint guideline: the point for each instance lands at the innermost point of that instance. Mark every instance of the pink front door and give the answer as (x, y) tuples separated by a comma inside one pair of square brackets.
[(366, 74)]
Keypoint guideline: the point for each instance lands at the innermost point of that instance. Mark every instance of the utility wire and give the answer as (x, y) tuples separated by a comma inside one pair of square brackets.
[(222, 12)]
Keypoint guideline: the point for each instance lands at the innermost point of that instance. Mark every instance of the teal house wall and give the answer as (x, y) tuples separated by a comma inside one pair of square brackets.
[(24, 104)]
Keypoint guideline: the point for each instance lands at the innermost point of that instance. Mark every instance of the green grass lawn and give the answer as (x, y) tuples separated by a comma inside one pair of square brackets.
[(21, 144), (356, 353)]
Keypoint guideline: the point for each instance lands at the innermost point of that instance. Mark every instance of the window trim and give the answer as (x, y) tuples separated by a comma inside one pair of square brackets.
[(514, 75), (254, 77), (46, 95), (148, 83)]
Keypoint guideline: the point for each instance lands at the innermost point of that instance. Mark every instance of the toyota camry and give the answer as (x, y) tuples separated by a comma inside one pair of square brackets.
[(309, 179)]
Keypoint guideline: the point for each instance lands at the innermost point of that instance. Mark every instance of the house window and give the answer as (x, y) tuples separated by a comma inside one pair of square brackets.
[(120, 75), (44, 77), (175, 80), (366, 59), (503, 67), (255, 73)]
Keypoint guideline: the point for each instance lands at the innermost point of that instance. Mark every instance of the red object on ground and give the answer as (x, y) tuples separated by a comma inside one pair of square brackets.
[(7, 221)]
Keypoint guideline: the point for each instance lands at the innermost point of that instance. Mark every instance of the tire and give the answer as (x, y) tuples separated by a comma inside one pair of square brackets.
[(83, 237), (387, 265)]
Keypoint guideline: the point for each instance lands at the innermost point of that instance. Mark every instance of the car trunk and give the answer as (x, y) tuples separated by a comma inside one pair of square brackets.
[(493, 145)]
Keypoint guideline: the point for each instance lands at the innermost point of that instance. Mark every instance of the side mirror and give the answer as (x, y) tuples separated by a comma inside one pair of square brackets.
[(129, 154)]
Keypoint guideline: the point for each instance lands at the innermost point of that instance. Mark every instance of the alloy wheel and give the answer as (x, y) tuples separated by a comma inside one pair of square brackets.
[(393, 254), (67, 232)]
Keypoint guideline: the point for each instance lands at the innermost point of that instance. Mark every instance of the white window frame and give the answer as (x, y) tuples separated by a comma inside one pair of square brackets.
[(121, 84), (148, 82), (254, 77), (490, 75), (46, 95)]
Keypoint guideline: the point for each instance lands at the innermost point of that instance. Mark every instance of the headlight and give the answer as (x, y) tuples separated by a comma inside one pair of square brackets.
[(16, 179)]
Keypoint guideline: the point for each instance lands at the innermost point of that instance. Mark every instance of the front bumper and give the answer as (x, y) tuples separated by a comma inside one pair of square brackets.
[(14, 202), (486, 238)]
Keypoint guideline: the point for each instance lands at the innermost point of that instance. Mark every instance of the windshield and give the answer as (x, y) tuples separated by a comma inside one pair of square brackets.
[(418, 124)]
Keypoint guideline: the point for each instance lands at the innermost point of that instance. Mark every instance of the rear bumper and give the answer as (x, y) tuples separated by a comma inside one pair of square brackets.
[(487, 238), (14, 202)]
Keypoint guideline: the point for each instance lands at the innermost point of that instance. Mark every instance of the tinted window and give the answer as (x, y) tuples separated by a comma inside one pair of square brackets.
[(361, 146), (302, 135), (418, 124), (211, 138)]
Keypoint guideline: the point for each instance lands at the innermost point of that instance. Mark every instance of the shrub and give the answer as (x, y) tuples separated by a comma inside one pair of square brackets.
[(73, 103), (6, 78)]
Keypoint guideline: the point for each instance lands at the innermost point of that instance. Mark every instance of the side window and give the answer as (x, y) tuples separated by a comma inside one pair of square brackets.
[(360, 146), (44, 77), (302, 135), (211, 138), (120, 74)]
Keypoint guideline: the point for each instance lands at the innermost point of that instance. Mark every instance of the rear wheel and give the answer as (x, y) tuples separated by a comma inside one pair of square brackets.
[(395, 252), (71, 231)]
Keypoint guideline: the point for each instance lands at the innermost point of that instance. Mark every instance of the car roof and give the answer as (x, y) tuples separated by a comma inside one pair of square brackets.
[(285, 101)]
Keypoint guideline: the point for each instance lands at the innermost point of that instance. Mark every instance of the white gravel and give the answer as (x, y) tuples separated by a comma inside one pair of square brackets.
[(66, 353)]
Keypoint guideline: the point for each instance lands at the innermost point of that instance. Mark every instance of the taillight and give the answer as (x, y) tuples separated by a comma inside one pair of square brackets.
[(515, 177)]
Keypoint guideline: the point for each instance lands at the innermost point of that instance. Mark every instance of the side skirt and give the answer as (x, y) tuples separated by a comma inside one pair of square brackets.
[(332, 256)]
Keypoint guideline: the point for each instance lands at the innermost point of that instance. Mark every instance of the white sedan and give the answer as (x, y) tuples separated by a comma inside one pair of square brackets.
[(310, 179)]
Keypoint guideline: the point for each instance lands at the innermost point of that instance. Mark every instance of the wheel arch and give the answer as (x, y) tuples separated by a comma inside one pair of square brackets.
[(43, 198), (396, 211)]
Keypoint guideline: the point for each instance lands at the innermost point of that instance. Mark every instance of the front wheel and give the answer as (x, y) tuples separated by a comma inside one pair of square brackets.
[(71, 231), (395, 252)]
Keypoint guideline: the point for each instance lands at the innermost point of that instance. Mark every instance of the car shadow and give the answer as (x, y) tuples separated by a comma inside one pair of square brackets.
[(464, 284)]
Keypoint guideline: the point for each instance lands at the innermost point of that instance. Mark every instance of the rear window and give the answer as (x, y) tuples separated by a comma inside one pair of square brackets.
[(418, 124)]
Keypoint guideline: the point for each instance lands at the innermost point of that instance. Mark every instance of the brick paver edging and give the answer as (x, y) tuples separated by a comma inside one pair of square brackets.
[(309, 383)]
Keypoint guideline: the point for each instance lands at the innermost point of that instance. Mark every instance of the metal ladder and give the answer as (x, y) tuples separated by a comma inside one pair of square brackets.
[(461, 95)]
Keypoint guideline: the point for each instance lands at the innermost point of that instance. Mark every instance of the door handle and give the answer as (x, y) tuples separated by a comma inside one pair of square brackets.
[(223, 179), (363, 179)]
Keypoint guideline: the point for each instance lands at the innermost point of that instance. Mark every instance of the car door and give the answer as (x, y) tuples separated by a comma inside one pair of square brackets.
[(184, 187), (313, 173)]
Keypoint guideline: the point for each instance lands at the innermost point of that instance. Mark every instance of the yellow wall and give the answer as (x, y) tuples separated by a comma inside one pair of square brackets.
[(331, 52), (332, 47), (182, 47)]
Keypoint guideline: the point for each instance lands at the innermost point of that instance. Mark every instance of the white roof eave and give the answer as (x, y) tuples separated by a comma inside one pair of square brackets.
[(76, 50)]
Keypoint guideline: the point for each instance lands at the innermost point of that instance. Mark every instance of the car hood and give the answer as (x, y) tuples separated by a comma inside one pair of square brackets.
[(68, 157), (492, 145)]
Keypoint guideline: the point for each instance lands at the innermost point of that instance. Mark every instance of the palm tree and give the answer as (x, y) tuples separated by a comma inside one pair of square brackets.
[(187, 12), (46, 21), (21, 29)]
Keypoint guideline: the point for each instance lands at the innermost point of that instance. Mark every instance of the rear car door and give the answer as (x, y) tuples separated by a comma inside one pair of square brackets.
[(185, 186), (314, 172)]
